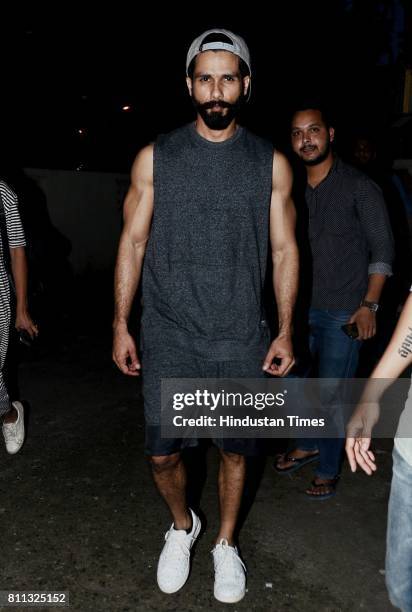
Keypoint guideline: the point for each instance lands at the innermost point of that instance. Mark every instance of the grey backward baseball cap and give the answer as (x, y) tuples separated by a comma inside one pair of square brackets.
[(237, 46)]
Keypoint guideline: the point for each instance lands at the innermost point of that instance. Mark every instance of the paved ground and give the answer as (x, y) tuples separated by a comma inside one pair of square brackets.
[(80, 513)]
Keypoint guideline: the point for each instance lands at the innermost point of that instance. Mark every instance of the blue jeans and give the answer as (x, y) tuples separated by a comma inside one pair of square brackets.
[(337, 356), (399, 535)]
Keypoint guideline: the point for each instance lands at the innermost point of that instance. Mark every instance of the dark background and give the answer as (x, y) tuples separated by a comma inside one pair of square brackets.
[(65, 71)]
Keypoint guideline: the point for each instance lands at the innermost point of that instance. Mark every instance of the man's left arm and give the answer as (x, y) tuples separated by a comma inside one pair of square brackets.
[(19, 270), (285, 260), (364, 317), (374, 219)]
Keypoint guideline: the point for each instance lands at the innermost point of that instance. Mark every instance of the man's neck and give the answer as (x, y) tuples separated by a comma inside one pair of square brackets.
[(316, 174), (215, 135)]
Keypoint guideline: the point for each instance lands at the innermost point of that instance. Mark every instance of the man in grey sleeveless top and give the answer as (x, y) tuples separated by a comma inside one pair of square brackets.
[(205, 202)]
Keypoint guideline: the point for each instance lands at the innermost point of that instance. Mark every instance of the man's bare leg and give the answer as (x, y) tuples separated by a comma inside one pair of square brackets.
[(231, 482), (170, 477)]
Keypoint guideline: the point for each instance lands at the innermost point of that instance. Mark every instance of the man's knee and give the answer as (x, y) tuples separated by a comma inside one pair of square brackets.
[(232, 458), (164, 463)]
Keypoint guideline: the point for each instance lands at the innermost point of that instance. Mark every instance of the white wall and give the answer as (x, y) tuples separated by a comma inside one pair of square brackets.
[(87, 208)]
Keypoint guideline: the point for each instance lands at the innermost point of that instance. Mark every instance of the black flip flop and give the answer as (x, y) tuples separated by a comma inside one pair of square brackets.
[(297, 463), (331, 485)]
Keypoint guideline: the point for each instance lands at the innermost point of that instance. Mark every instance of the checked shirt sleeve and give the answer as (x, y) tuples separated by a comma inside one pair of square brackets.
[(375, 222)]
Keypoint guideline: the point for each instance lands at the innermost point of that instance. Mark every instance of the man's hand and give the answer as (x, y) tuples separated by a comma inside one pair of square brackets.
[(124, 352), (24, 321), (365, 320), (281, 349), (359, 433)]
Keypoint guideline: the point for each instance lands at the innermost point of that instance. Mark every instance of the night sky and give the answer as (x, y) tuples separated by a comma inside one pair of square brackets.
[(66, 72)]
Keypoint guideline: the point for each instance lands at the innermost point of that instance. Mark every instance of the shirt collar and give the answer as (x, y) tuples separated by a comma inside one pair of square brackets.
[(334, 169)]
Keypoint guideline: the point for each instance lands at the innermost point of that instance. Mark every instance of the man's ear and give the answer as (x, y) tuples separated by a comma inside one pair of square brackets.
[(189, 84), (332, 134), (246, 84)]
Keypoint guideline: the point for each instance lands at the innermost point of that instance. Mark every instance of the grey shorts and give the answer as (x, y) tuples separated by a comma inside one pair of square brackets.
[(173, 363)]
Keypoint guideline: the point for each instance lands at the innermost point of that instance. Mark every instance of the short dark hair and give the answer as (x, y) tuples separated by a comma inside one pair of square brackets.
[(222, 38), (315, 104)]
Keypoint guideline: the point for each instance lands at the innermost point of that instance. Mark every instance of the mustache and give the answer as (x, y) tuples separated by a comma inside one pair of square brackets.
[(216, 103)]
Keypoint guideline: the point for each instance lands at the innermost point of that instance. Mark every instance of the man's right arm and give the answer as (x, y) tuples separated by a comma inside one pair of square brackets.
[(137, 214)]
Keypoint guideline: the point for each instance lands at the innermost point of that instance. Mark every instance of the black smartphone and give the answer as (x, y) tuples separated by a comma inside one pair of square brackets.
[(351, 330), (25, 338)]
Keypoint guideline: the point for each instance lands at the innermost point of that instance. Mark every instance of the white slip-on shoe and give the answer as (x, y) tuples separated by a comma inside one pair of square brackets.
[(174, 561), (14, 432), (230, 573)]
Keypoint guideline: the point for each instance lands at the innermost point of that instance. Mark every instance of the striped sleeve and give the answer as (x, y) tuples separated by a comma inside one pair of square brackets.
[(15, 232)]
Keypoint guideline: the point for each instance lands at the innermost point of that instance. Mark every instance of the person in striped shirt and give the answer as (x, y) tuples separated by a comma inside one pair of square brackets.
[(12, 252)]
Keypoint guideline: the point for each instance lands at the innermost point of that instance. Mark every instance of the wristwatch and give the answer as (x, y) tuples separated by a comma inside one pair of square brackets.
[(373, 306)]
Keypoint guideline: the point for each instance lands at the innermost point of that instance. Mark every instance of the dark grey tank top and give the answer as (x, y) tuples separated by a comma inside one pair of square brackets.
[(205, 261)]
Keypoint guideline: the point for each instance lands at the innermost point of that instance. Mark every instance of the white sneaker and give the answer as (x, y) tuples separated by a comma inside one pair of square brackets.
[(230, 573), (14, 432), (174, 561)]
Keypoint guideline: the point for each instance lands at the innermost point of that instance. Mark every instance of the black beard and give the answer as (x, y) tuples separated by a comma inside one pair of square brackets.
[(215, 120), (320, 158)]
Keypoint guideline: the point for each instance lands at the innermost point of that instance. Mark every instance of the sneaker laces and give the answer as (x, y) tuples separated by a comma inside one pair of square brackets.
[(176, 545), (227, 555)]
